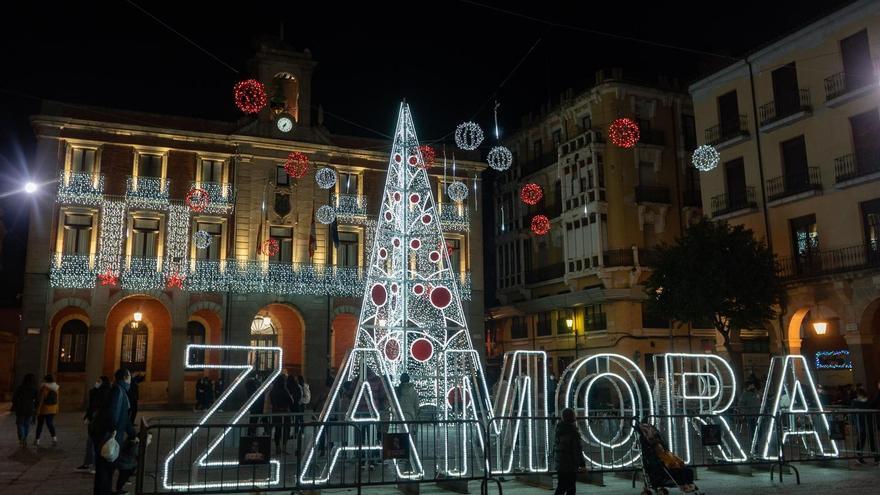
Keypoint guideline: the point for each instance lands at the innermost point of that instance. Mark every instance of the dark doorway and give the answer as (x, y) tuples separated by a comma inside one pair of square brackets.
[(785, 90)]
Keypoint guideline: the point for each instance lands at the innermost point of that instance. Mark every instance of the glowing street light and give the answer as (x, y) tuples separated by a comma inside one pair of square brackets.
[(30, 187), (820, 327), (138, 317)]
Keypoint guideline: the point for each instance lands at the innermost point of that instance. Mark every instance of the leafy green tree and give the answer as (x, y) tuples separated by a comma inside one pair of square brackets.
[(719, 274)]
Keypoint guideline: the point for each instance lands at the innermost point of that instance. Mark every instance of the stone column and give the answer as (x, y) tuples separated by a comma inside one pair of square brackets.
[(176, 369), (316, 318), (95, 357)]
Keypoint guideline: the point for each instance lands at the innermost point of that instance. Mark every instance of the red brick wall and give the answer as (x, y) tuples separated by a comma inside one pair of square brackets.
[(159, 320), (117, 163)]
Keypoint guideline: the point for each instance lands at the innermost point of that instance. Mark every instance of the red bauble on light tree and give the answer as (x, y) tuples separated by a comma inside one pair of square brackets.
[(624, 132), (540, 224), (250, 96), (108, 278), (198, 200), (531, 193), (297, 165), (270, 247), (429, 156)]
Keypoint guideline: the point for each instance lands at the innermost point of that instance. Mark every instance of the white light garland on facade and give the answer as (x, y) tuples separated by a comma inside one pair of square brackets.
[(80, 188), (468, 135), (705, 158), (500, 158), (326, 214), (147, 192), (325, 178), (457, 191)]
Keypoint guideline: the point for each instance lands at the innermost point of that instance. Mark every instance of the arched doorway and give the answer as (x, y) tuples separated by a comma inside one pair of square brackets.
[(138, 337), (282, 325), (869, 343), (344, 327), (263, 334)]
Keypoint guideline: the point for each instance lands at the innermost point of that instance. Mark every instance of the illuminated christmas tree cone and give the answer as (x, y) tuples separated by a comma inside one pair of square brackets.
[(411, 321)]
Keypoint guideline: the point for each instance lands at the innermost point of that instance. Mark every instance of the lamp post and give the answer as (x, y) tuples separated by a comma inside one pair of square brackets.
[(820, 325), (569, 322), (138, 317)]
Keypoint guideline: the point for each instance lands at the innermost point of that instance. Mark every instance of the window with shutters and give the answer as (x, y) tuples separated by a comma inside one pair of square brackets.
[(149, 165), (77, 233), (212, 250), (83, 160), (211, 171), (284, 236), (145, 237), (347, 251), (133, 356), (73, 340)]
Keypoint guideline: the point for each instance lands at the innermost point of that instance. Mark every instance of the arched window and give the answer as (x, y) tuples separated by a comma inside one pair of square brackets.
[(134, 347), (195, 334), (263, 334), (72, 346)]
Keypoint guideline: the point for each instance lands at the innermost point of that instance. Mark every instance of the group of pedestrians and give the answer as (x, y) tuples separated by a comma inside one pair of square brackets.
[(286, 400), (207, 391), (32, 404)]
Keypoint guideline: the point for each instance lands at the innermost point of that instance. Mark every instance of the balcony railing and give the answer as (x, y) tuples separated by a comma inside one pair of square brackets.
[(222, 196), (238, 276), (692, 198), (839, 84), (618, 257), (653, 194), (847, 167), (349, 206), (652, 136), (730, 202), (772, 111), (581, 141), (545, 273), (720, 133), (454, 217), (80, 188), (146, 192), (821, 263), (791, 184)]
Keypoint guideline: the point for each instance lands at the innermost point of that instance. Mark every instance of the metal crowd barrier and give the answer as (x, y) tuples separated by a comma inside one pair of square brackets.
[(348, 454)]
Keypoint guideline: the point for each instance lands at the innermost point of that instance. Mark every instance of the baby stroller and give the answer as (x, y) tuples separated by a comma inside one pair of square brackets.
[(657, 474)]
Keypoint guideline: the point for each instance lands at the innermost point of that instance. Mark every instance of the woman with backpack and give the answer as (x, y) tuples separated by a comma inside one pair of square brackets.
[(24, 405), (47, 408)]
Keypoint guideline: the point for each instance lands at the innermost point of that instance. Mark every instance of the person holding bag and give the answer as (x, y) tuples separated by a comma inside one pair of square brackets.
[(111, 425)]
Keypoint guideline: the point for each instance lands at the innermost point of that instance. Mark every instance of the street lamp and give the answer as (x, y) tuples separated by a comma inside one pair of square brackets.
[(30, 187), (569, 322), (138, 317), (819, 324)]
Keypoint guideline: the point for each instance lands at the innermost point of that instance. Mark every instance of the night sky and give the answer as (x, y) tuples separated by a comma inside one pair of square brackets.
[(446, 58)]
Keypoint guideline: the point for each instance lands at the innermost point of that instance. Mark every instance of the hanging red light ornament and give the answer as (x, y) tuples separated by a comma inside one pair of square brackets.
[(270, 247), (531, 193), (540, 224), (624, 132), (108, 278), (429, 156), (174, 281), (297, 165), (250, 96), (198, 199)]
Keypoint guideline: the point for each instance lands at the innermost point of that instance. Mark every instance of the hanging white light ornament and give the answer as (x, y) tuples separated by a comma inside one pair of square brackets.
[(202, 239), (457, 191), (468, 135), (500, 158), (325, 214), (705, 158), (325, 177)]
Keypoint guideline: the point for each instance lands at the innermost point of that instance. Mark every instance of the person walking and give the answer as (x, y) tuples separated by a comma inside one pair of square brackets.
[(296, 393), (201, 393), (98, 395), (47, 408), (865, 424), (569, 453), (282, 405), (112, 420), (24, 405)]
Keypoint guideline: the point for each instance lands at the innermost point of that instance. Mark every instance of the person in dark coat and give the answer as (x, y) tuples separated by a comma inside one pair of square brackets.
[(569, 453), (282, 405), (99, 394), (114, 418), (24, 405), (256, 409), (865, 425), (134, 395)]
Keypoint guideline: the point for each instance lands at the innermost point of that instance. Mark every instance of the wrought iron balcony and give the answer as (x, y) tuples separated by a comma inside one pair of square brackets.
[(221, 196), (848, 167), (146, 192), (544, 273), (83, 271), (791, 184), (653, 194), (837, 85), (735, 201), (80, 188), (820, 263), (720, 133), (349, 207), (772, 110)]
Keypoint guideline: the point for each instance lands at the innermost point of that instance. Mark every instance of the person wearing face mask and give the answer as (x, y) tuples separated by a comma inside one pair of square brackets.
[(112, 419), (98, 395)]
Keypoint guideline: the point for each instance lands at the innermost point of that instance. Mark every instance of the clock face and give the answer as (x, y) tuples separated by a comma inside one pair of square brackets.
[(285, 124)]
